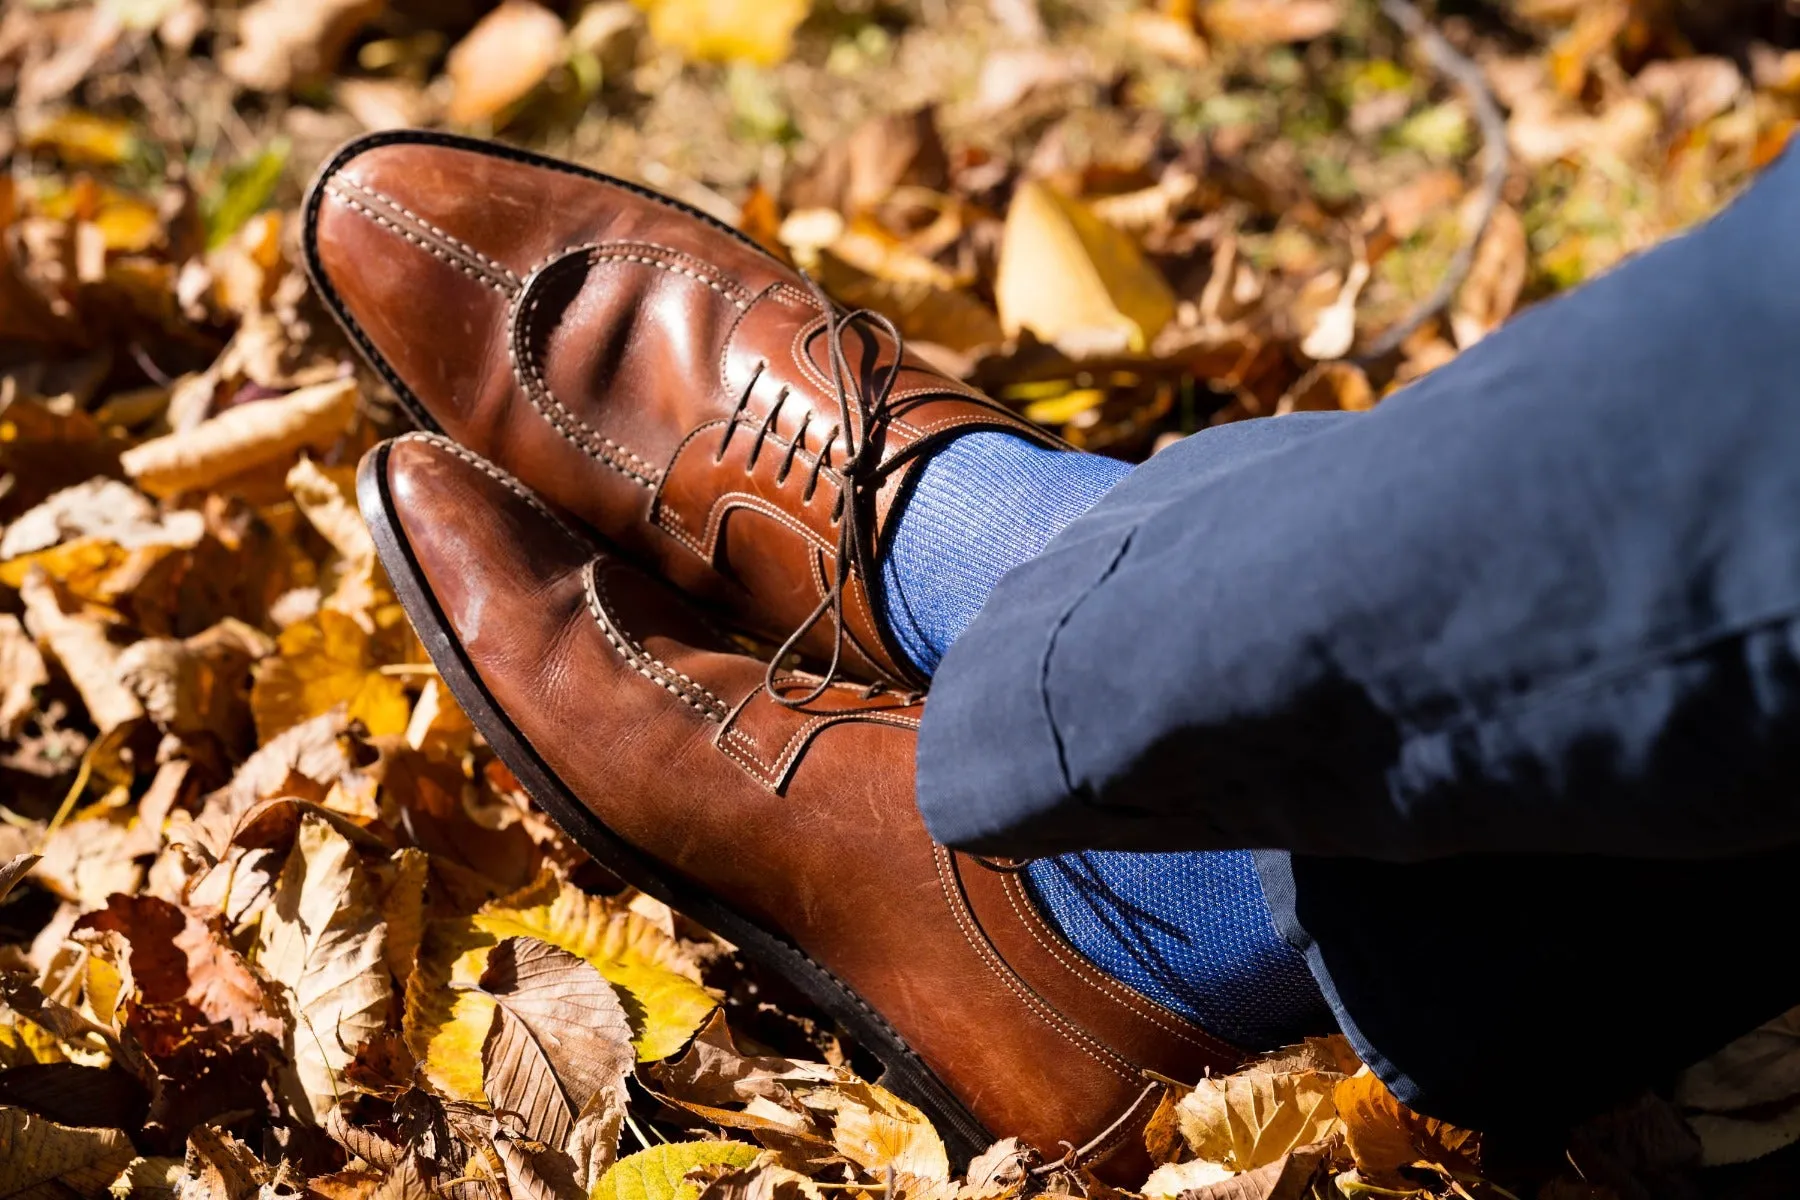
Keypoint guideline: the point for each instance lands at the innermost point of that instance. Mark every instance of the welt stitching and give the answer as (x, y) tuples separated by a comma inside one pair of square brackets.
[(461, 245), (665, 666), (554, 411), (501, 477), (1075, 1037), (1028, 918), (439, 252), (641, 661)]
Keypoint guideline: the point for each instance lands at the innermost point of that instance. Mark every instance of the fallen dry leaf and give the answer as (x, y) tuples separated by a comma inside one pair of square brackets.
[(1269, 22), (320, 664), (447, 1025), (1384, 1136), (22, 672), (1074, 280), (559, 1041), (38, 1156), (82, 645), (261, 433), (658, 1173), (283, 45), (1253, 1118), (508, 53), (756, 31), (13, 870), (322, 945)]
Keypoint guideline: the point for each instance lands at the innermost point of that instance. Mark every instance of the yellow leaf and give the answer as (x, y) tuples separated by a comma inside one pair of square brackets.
[(757, 31), (1074, 280), (508, 53), (1066, 407), (445, 1027), (320, 663), (1385, 1136), (82, 137), (657, 1173)]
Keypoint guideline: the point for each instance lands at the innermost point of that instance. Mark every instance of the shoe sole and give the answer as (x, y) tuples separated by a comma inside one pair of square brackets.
[(906, 1075)]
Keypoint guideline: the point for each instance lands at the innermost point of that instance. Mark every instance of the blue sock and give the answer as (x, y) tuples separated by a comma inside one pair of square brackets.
[(1190, 930)]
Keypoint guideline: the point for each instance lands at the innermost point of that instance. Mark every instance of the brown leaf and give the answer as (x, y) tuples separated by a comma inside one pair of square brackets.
[(22, 672), (877, 1130), (176, 957), (882, 154), (533, 1170), (403, 911), (81, 643), (15, 870), (1495, 280), (261, 433), (199, 684), (1253, 1118), (1385, 1136), (35, 1152), (322, 944), (559, 1040), (219, 1167), (508, 53), (283, 45), (87, 860), (407, 1181), (714, 1071), (1270, 22), (1288, 1178)]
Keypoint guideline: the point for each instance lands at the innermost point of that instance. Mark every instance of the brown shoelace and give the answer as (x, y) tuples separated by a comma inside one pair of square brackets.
[(860, 415)]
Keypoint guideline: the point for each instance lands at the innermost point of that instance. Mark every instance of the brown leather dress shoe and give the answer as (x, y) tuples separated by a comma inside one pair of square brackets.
[(649, 369), (654, 742)]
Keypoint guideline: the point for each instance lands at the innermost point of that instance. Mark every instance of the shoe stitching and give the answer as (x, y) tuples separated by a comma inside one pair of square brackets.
[(441, 253), (725, 502), (524, 493), (619, 252), (801, 738), (647, 665), (449, 239), (531, 381), (1079, 1038), (1028, 917)]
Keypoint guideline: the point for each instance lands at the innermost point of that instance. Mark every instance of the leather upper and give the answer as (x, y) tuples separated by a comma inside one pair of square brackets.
[(649, 370), (803, 820)]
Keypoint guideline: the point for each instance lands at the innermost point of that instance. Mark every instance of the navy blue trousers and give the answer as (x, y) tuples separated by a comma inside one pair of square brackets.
[(1503, 677)]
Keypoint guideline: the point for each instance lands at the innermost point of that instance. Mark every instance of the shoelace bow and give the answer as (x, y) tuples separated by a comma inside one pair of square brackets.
[(860, 415)]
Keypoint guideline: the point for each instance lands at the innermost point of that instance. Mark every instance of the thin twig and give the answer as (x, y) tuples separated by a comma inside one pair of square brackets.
[(1453, 63)]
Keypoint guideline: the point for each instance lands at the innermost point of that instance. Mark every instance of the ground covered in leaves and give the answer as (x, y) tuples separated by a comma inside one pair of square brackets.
[(274, 922)]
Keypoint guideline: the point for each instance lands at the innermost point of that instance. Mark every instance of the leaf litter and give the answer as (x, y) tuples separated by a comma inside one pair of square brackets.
[(275, 922)]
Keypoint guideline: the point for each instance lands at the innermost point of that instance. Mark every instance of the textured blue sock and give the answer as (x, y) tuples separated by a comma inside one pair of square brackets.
[(983, 504), (1191, 931)]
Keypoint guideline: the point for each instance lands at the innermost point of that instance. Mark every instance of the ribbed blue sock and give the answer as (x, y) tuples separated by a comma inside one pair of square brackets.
[(1190, 930)]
